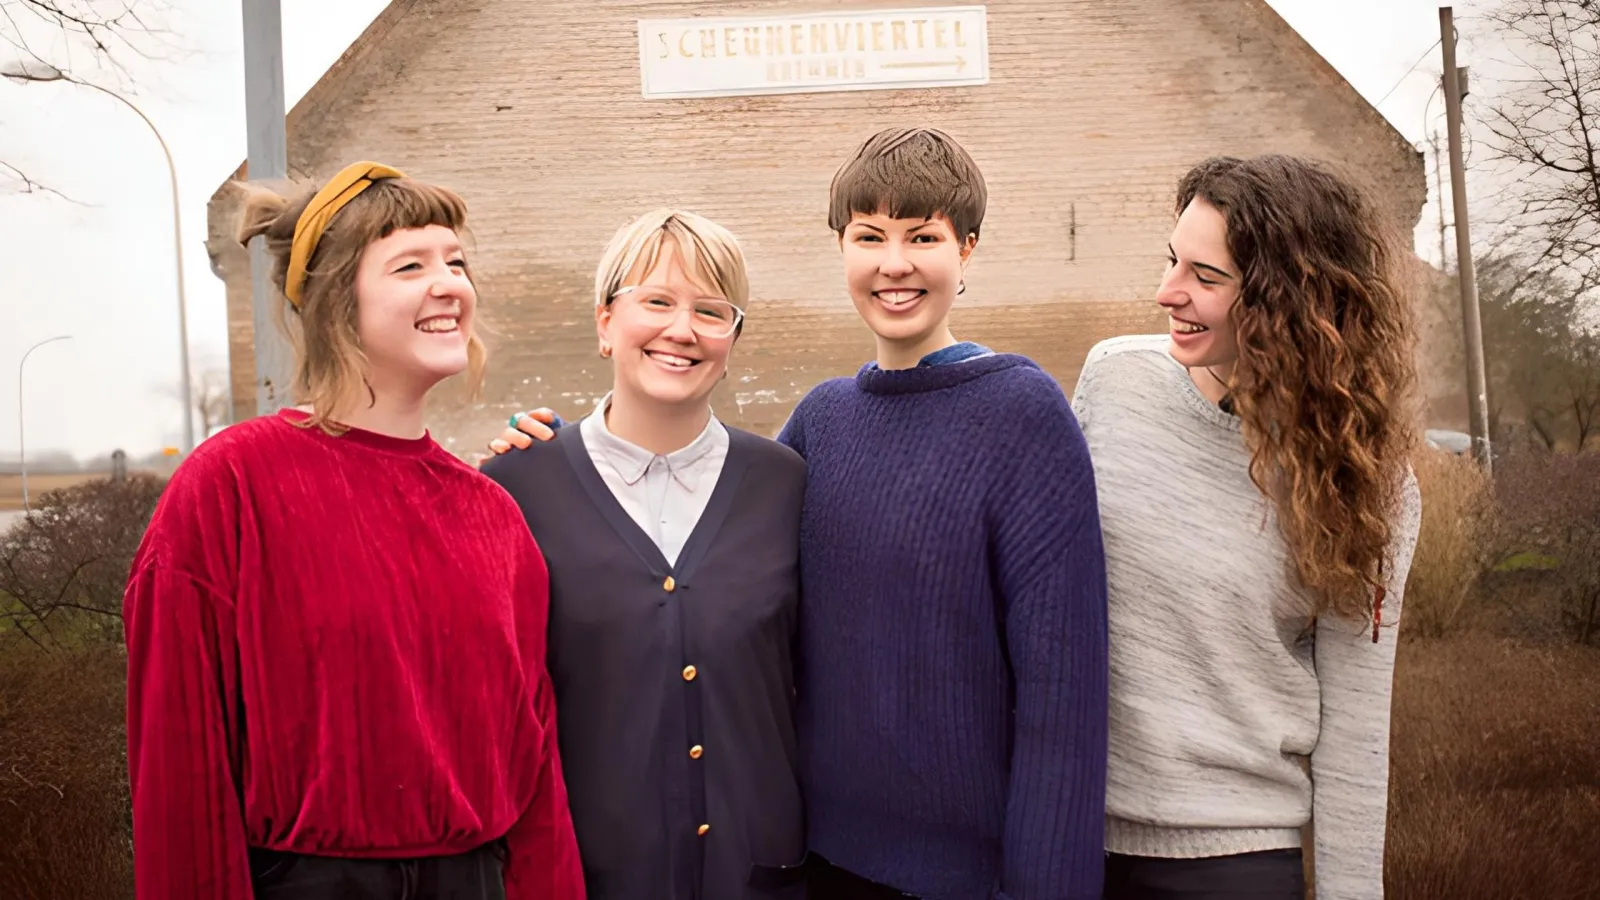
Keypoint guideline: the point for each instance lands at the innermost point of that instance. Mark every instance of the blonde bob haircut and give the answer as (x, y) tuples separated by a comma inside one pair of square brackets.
[(709, 253), (330, 366)]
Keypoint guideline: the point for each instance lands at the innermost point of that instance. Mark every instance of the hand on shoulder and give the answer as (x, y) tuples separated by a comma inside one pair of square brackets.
[(526, 427)]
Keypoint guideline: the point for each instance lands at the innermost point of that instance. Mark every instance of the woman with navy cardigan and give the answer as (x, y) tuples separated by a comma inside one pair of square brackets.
[(673, 545)]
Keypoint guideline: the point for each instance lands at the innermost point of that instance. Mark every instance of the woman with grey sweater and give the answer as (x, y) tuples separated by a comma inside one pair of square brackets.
[(1259, 517)]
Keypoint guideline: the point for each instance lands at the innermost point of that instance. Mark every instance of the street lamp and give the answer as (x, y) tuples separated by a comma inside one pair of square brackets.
[(22, 441), (24, 73)]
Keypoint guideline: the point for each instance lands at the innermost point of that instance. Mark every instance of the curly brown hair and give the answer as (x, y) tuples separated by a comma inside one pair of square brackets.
[(1325, 376)]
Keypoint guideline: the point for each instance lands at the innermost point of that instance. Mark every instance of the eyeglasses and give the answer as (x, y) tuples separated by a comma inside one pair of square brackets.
[(710, 317)]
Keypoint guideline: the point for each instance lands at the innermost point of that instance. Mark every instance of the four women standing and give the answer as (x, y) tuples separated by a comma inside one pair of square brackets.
[(1258, 521)]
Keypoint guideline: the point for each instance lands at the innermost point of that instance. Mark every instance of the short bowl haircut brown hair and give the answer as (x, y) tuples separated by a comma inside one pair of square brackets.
[(910, 173)]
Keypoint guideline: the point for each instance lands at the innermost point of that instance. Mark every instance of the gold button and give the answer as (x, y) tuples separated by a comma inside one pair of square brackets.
[(696, 751), (703, 829), (689, 672), (669, 585)]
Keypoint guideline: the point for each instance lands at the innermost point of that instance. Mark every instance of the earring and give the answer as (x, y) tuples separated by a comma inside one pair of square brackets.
[(962, 288), (605, 350)]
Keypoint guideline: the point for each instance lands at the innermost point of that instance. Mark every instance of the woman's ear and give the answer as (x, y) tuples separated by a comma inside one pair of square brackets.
[(967, 246), (602, 328)]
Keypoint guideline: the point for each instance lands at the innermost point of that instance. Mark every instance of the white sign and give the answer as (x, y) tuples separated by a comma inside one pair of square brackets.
[(850, 51)]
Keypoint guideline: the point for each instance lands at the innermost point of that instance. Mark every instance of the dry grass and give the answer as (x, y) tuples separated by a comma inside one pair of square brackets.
[(38, 485), (67, 832), (1494, 790), (1454, 544), (1495, 771)]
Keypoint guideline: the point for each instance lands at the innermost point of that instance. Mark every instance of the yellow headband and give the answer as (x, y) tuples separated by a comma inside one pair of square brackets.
[(340, 189)]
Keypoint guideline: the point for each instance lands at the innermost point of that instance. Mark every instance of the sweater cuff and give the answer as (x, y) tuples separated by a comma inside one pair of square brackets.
[(1136, 839)]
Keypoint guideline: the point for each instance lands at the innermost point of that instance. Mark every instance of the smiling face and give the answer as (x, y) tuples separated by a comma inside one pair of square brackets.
[(903, 275), (414, 308), (1199, 290), (662, 330)]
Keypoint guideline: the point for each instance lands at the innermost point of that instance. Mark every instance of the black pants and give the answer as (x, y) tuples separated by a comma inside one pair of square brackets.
[(1268, 875), (826, 881), (470, 876)]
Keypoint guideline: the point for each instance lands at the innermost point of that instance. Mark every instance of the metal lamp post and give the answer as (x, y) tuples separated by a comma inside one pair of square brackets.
[(22, 440), (24, 73)]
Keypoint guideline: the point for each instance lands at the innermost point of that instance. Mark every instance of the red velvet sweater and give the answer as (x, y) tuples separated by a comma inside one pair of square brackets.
[(336, 646)]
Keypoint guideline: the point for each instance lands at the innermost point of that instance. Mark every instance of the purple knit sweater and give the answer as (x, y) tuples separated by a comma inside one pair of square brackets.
[(952, 708)]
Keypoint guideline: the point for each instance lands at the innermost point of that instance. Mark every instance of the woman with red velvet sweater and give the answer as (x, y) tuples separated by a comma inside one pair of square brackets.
[(336, 629)]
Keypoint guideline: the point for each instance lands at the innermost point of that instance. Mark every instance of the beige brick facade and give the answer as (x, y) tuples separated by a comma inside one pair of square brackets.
[(532, 110)]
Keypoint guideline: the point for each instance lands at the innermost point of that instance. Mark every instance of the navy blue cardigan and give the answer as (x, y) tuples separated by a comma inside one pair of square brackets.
[(674, 684)]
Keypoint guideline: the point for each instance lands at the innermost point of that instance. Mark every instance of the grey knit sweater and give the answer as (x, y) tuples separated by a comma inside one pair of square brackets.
[(1232, 724)]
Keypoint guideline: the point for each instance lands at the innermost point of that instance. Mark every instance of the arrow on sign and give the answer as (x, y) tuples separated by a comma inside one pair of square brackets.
[(960, 63)]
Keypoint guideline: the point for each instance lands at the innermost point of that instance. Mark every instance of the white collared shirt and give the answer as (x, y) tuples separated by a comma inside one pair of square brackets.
[(664, 495)]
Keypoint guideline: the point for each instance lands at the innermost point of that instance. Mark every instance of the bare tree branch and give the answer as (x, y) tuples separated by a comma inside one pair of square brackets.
[(1542, 358), (73, 37), (110, 612), (107, 30), (209, 394), (1543, 128), (19, 183)]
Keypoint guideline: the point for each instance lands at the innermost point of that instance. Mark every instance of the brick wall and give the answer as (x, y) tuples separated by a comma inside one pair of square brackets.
[(533, 112)]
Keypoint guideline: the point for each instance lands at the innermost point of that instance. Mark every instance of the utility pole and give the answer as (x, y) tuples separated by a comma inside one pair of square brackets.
[(1438, 170), (1477, 389), (1438, 191), (268, 161)]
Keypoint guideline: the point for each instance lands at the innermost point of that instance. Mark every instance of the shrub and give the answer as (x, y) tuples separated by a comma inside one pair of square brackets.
[(1454, 544), (1550, 510), (63, 568), (64, 812)]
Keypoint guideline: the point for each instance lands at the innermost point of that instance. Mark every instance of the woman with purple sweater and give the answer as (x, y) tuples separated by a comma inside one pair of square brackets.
[(953, 674)]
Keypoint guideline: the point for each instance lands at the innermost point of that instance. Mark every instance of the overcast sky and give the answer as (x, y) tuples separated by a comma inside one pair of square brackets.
[(103, 271)]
